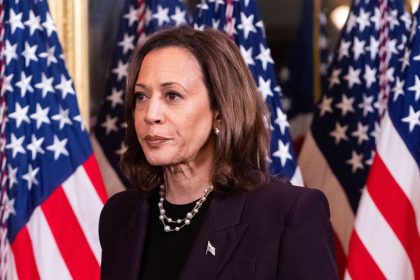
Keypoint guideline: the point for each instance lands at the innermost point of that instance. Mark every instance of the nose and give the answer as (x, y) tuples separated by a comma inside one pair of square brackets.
[(154, 112)]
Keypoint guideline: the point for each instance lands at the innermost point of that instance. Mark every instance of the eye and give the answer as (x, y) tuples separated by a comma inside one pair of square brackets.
[(139, 97), (173, 95)]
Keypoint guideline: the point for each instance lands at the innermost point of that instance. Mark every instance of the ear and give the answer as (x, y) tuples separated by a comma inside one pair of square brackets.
[(216, 118)]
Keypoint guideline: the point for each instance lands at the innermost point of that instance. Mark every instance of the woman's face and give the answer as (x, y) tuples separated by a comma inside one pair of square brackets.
[(172, 114)]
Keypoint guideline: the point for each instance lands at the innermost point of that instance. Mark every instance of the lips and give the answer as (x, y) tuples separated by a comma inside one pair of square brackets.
[(154, 140)]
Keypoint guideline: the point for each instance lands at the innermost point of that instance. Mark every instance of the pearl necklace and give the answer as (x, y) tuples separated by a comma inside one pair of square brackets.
[(179, 223)]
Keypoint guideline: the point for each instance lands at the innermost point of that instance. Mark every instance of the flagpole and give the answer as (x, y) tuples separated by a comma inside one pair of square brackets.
[(71, 18), (315, 50)]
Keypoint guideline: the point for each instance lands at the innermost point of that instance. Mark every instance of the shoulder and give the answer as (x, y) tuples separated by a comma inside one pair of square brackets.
[(286, 200), (117, 213)]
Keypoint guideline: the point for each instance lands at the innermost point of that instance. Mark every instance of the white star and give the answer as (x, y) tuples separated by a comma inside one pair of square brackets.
[(325, 105), (355, 161), (31, 176), (58, 147), (343, 51), (363, 20), (219, 2), (34, 23), (16, 145), (40, 116), (335, 78), (281, 120), (115, 97), (373, 47), (402, 44), (358, 48), (11, 175), (161, 15), (48, 25), (132, 16), (247, 55), (405, 59), (392, 18), (121, 150), (339, 133), (7, 86), (406, 18), (398, 89), (352, 77), (351, 22), (264, 87), (264, 56), (29, 53), (376, 19), (147, 16), (391, 46), (65, 86), (120, 70), (366, 105), (283, 152), (49, 55), (361, 133), (62, 117), (7, 208), (46, 85), (10, 51), (247, 24), (390, 74), (179, 16), (110, 124), (20, 115), (369, 76), (416, 87), (215, 23), (369, 161), (15, 21), (375, 132), (412, 119), (346, 105), (79, 119), (127, 43), (35, 146)]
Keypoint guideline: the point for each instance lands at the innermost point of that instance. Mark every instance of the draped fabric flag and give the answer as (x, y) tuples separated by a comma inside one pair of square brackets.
[(241, 21), (339, 148), (51, 190), (303, 77), (386, 239), (139, 18)]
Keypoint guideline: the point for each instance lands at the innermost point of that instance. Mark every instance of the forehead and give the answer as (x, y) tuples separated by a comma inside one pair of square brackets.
[(169, 61)]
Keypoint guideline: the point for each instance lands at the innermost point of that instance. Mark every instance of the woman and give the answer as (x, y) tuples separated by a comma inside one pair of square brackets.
[(197, 149)]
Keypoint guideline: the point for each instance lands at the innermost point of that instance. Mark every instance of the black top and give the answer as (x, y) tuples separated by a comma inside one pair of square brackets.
[(166, 252)]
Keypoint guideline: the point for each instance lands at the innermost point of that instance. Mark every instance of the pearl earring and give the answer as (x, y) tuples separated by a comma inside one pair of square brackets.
[(216, 131)]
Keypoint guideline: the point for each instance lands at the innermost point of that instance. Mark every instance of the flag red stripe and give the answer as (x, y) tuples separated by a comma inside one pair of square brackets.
[(396, 209), (360, 263), (69, 237), (24, 256), (92, 170)]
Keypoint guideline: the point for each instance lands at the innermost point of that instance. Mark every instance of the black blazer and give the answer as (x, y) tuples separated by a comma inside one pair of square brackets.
[(277, 232)]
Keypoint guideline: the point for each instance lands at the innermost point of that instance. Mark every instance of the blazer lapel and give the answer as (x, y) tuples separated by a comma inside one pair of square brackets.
[(220, 230), (131, 242)]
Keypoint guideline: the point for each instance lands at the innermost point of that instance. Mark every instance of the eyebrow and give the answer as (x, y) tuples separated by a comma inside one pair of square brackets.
[(167, 84)]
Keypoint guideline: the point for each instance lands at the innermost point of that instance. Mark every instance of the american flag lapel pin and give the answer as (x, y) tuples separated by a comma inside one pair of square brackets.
[(210, 249)]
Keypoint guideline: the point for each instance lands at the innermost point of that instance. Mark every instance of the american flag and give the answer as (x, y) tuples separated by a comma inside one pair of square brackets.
[(303, 76), (339, 149), (51, 190), (139, 19), (386, 239), (241, 21)]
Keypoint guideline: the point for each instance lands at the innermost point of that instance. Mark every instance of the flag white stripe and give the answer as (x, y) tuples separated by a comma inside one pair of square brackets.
[(112, 182), (48, 259), (11, 273), (297, 179), (400, 164), (323, 178), (381, 242), (86, 205)]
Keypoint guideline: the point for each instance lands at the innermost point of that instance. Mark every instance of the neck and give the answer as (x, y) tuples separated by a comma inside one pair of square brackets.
[(186, 183)]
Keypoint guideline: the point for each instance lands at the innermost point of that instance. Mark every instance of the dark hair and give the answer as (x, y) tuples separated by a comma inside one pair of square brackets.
[(242, 146)]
